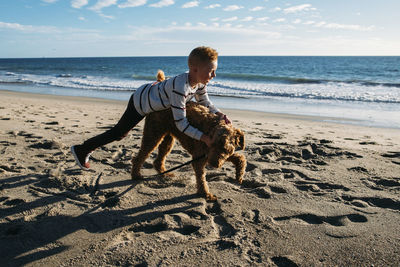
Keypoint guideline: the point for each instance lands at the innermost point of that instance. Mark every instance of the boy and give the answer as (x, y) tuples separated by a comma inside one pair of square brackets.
[(173, 93)]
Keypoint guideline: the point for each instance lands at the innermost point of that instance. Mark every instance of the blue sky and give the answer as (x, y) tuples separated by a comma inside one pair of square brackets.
[(76, 28)]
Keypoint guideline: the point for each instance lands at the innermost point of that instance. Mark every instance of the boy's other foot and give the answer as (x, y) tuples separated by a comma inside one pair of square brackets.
[(81, 157)]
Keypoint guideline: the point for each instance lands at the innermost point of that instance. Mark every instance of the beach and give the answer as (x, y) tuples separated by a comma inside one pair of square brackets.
[(315, 193)]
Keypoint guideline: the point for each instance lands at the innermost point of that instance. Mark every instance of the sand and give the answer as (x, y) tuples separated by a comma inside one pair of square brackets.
[(315, 194)]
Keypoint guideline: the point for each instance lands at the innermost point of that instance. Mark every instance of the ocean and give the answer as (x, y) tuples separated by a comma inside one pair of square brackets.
[(355, 90)]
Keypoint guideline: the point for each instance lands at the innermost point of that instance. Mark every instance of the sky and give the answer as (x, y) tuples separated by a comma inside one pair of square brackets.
[(104, 28)]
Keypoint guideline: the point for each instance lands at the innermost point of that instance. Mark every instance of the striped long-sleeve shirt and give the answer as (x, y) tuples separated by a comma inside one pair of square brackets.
[(173, 93)]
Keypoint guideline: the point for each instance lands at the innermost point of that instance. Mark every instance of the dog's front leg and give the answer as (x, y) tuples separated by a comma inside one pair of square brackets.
[(240, 164), (202, 186), (163, 150)]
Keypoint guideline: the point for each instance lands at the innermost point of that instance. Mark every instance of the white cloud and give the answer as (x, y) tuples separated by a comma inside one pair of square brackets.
[(309, 22), (247, 19), (320, 24), (232, 8), (262, 19), (102, 4), (106, 16), (230, 19), (201, 24), (299, 8), (276, 9), (297, 21), (280, 20), (163, 3), (44, 29), (82, 18), (49, 1), (214, 19), (28, 28), (228, 32), (257, 8), (348, 27), (190, 4), (132, 3), (212, 6), (79, 3)]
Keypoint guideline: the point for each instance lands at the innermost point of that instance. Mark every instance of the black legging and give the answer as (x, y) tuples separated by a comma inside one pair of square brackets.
[(129, 119)]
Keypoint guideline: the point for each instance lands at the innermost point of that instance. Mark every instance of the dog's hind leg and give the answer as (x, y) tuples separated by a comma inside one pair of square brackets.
[(163, 150), (202, 186), (239, 161), (150, 141)]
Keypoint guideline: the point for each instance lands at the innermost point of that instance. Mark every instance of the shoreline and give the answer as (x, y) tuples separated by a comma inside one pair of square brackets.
[(221, 104)]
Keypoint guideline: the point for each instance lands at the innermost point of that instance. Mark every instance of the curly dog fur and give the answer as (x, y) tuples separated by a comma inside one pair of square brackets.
[(160, 130)]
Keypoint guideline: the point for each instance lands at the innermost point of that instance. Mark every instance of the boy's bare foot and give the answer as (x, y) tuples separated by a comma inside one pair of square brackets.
[(81, 157)]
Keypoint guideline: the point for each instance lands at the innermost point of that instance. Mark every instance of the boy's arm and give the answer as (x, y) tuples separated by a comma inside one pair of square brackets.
[(203, 99), (178, 106)]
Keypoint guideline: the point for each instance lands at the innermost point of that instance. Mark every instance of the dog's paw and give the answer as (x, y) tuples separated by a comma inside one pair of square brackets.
[(169, 175), (210, 197), (136, 177)]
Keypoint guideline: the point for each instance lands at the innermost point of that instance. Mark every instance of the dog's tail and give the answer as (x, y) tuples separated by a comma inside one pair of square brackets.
[(160, 76)]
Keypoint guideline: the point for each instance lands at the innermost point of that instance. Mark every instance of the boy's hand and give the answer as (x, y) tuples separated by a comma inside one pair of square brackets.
[(222, 116), (206, 139)]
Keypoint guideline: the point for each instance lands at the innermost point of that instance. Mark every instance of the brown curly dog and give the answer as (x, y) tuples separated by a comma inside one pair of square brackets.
[(160, 130)]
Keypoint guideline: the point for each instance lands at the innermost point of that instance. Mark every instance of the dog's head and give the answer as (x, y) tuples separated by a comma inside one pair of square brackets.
[(225, 140)]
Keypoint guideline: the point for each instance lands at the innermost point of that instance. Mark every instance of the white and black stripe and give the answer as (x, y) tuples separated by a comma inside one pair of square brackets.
[(174, 93)]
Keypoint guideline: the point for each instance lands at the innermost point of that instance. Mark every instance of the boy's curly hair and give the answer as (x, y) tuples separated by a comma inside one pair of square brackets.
[(202, 54)]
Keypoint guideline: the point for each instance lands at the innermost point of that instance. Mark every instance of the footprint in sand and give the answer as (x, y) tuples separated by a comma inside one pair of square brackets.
[(112, 199), (368, 143), (179, 223), (51, 123), (310, 218), (380, 202), (253, 216), (393, 155), (14, 202), (291, 173), (282, 261), (7, 143), (220, 224), (48, 144), (318, 186), (335, 225), (358, 169), (13, 167), (381, 184), (386, 183)]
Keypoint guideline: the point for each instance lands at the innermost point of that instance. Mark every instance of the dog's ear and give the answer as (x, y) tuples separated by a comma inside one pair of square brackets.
[(239, 137)]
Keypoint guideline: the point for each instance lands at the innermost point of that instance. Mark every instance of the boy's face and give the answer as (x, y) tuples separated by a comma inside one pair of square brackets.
[(206, 72)]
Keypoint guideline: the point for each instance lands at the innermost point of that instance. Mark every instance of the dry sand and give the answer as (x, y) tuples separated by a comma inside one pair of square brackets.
[(315, 194)]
